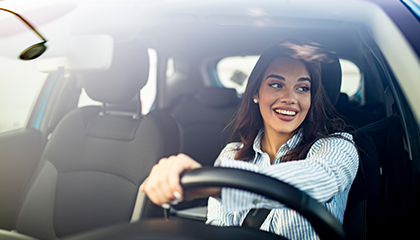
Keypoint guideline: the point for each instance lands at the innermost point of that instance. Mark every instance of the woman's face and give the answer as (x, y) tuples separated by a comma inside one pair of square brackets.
[(284, 96)]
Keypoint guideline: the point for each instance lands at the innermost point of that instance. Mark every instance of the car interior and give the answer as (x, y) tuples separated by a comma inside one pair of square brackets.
[(84, 165)]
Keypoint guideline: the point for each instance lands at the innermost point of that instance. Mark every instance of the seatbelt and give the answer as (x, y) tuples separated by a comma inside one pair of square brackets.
[(255, 218), (379, 125)]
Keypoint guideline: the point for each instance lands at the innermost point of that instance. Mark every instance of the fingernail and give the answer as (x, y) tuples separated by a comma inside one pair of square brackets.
[(175, 202), (177, 195), (166, 206)]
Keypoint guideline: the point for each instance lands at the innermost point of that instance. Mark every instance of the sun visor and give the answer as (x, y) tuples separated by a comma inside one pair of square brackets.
[(86, 53)]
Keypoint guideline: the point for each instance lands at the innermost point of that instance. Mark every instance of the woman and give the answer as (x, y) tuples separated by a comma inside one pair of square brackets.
[(289, 131)]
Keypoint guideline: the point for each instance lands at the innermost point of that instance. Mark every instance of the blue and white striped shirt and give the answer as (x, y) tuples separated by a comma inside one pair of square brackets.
[(326, 175)]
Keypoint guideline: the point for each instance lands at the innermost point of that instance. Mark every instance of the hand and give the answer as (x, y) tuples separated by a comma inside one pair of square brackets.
[(163, 184)]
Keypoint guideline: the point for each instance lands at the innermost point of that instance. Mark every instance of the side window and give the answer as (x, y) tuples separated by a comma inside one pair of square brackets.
[(147, 93), (20, 83), (351, 77), (234, 71)]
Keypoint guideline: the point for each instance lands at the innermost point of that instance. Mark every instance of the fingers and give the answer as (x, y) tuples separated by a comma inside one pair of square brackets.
[(163, 184)]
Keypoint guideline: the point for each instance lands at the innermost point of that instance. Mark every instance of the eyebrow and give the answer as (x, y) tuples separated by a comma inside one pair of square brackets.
[(282, 78)]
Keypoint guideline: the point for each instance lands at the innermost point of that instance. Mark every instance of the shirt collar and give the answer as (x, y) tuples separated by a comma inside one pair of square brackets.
[(290, 144)]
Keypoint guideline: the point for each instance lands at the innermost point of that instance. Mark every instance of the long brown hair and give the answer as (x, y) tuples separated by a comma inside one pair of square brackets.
[(321, 120)]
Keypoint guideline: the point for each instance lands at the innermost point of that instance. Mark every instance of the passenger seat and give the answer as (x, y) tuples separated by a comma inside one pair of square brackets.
[(97, 157)]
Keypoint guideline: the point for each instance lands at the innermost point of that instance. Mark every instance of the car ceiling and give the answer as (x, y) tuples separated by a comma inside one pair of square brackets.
[(186, 23), (209, 38)]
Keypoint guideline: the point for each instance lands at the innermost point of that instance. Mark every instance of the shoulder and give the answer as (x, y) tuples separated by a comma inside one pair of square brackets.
[(230, 148), (334, 143), (337, 137), (344, 135), (228, 152)]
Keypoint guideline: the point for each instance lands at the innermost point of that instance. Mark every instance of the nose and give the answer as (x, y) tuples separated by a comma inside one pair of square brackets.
[(288, 96)]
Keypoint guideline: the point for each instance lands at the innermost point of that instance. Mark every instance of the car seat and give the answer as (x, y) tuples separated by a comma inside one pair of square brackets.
[(362, 218), (97, 156), (202, 118)]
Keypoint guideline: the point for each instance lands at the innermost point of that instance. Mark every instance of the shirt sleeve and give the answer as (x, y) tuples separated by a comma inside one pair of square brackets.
[(330, 168)]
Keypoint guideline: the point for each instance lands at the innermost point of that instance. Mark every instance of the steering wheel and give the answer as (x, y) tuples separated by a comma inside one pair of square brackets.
[(321, 219)]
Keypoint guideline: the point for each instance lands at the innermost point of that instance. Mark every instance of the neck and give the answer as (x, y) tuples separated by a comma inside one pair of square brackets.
[(272, 141)]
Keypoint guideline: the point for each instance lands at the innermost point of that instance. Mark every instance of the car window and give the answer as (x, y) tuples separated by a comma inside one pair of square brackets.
[(351, 77), (170, 68), (233, 72), (20, 83), (147, 93)]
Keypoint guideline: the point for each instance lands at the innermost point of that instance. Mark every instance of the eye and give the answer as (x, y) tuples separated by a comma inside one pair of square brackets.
[(303, 89), (275, 85)]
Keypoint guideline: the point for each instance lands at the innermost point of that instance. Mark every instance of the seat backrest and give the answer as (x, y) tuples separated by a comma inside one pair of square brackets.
[(362, 218), (201, 119), (96, 160), (363, 215)]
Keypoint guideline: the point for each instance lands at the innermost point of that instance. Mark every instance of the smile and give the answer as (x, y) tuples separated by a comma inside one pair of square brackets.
[(285, 112)]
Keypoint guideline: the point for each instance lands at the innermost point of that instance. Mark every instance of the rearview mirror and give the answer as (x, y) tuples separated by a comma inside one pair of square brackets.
[(32, 51)]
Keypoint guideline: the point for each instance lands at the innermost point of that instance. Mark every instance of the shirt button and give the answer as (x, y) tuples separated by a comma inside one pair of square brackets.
[(255, 202), (269, 218)]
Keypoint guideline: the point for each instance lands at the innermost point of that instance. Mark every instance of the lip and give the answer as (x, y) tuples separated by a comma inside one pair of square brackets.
[(284, 117)]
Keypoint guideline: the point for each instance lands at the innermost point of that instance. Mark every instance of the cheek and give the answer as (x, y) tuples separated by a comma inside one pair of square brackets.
[(306, 104), (266, 98)]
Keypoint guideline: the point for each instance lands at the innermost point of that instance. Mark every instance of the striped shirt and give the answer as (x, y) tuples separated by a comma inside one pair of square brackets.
[(326, 175)]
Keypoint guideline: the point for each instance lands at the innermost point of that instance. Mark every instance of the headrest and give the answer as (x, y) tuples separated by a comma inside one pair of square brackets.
[(331, 77), (217, 97), (125, 77)]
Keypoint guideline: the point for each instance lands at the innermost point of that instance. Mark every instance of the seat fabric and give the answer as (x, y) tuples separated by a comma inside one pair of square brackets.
[(362, 218), (201, 119)]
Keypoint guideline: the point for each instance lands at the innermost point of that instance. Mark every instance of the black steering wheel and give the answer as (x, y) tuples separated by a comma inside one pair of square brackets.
[(321, 219)]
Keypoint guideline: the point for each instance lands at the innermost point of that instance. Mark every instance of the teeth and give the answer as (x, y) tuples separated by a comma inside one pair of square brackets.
[(285, 112)]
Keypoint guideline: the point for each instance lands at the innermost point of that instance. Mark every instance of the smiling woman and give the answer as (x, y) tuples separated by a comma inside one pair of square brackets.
[(288, 130)]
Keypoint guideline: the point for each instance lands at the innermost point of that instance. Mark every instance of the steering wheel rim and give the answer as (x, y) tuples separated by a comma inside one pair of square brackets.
[(326, 225)]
